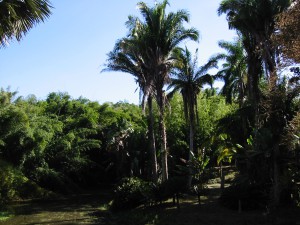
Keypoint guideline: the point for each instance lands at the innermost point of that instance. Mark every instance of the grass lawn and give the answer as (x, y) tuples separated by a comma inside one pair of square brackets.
[(4, 215), (92, 208)]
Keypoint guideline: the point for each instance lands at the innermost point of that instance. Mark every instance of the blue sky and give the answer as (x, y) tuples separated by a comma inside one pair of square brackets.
[(68, 51)]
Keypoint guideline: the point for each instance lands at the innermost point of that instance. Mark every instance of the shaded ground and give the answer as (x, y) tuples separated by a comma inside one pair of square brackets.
[(90, 209), (209, 212), (71, 210)]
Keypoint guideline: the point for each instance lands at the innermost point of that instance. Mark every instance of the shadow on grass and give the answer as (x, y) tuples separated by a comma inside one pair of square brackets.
[(85, 209), (73, 209), (209, 212)]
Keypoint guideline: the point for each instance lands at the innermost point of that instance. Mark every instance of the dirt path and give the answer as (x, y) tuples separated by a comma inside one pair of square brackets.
[(72, 210)]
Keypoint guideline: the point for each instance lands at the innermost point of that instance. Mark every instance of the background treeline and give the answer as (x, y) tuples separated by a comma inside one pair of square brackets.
[(64, 144)]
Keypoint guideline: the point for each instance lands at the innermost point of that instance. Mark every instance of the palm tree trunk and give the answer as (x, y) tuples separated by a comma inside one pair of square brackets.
[(163, 136), (152, 141), (164, 152), (191, 147), (276, 176), (191, 139)]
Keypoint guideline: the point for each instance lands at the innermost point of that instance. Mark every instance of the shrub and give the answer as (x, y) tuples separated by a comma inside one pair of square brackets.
[(7, 185), (14, 185), (55, 181), (168, 189), (130, 193)]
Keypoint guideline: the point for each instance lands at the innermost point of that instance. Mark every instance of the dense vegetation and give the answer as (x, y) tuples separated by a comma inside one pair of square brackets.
[(63, 144), (171, 143)]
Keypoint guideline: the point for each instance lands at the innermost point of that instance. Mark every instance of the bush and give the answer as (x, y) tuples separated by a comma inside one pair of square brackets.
[(168, 189), (7, 185), (55, 181), (130, 193), (14, 185)]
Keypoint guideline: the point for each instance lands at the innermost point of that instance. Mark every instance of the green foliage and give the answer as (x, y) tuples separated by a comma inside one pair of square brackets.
[(177, 129), (14, 185), (130, 193), (211, 110), (18, 17), (171, 188), (133, 192), (199, 165), (4, 215), (14, 123), (62, 142), (55, 181)]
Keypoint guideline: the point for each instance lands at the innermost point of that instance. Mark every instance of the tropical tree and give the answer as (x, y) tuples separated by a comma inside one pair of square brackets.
[(189, 79), (288, 36), (161, 33), (255, 20), (18, 17), (127, 56), (234, 70)]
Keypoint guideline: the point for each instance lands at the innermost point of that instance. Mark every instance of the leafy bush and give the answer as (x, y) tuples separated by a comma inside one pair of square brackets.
[(55, 181), (130, 193), (14, 185), (168, 189), (7, 186)]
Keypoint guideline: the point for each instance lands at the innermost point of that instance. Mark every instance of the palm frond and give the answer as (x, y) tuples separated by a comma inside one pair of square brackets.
[(18, 17)]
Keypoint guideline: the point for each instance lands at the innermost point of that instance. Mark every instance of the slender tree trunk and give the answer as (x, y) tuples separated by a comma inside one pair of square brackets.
[(163, 136), (222, 177), (164, 151), (191, 144), (276, 176), (153, 157), (190, 177), (254, 73)]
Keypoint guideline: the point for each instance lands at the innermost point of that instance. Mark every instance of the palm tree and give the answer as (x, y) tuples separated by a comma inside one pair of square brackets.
[(255, 20), (189, 79), (127, 57), (162, 33), (234, 74), (234, 70), (18, 17)]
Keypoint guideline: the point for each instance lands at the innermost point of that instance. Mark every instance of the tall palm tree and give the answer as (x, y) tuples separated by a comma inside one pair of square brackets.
[(18, 17), (233, 71), (127, 56), (255, 20), (234, 75), (189, 79), (161, 32)]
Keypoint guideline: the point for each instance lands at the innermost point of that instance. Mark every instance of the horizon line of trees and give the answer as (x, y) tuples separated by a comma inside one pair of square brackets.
[(64, 144)]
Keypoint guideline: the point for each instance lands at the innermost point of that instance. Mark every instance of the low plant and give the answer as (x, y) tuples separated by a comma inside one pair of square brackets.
[(130, 193)]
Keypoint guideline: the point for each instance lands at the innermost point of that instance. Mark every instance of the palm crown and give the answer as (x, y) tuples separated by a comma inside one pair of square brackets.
[(18, 17)]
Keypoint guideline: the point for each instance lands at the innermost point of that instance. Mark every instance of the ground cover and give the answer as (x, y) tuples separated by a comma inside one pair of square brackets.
[(92, 208)]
